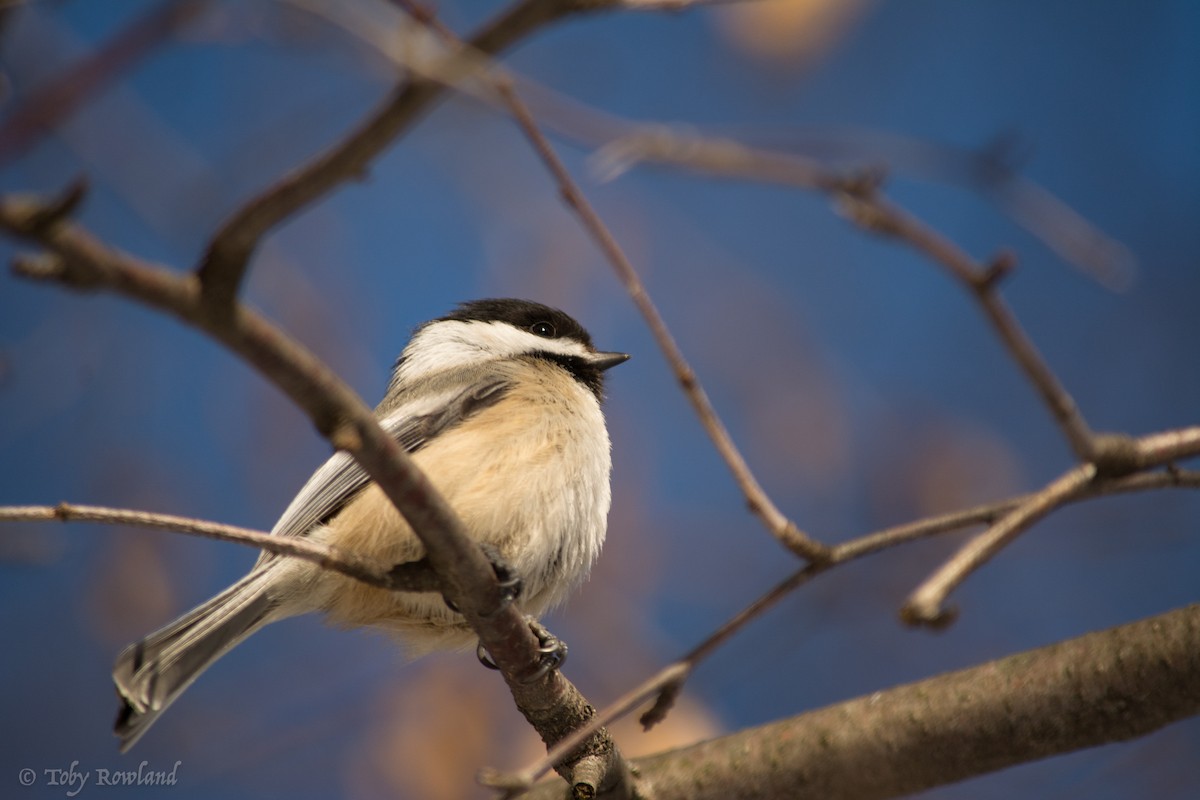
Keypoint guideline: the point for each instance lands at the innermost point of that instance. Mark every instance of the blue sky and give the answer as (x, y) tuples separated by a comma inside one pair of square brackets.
[(861, 382)]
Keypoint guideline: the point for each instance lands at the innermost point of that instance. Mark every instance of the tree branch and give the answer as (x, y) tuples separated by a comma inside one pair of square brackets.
[(62, 96), (992, 170), (988, 513), (924, 606), (1102, 687), (348, 564), (869, 209), (1116, 454)]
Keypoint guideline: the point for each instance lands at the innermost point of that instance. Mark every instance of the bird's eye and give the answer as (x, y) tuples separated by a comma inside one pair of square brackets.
[(544, 329)]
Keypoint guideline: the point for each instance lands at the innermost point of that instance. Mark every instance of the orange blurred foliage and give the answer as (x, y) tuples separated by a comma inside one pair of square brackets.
[(788, 30)]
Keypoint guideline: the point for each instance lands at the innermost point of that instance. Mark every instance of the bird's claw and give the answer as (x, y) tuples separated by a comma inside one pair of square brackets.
[(552, 652), (484, 656), (510, 582)]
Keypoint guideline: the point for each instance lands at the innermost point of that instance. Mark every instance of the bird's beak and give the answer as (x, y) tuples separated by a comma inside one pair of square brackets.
[(603, 361)]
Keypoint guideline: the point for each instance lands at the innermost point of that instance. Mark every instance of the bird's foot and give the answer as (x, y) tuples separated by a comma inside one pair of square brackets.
[(419, 576), (552, 652)]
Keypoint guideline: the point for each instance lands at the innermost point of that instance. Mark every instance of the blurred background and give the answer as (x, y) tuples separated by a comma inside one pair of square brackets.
[(861, 382)]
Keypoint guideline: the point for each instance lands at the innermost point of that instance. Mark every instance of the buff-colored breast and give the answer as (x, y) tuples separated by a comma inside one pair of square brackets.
[(539, 496)]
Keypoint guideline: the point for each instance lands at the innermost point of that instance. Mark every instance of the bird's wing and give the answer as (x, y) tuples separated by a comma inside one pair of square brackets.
[(413, 425)]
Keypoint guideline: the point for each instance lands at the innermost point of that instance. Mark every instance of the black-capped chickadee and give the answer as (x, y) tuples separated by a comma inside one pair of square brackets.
[(499, 404)]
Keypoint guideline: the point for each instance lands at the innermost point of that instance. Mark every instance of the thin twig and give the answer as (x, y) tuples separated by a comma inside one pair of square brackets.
[(1163, 448), (62, 96), (1059, 226), (925, 605), (872, 211), (992, 170), (348, 564), (988, 513), (1120, 455), (718, 157), (760, 503)]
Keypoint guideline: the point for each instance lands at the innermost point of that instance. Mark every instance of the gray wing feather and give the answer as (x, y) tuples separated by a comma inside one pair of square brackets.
[(340, 478)]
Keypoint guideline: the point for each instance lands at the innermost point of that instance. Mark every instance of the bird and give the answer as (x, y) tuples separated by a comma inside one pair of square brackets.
[(499, 404)]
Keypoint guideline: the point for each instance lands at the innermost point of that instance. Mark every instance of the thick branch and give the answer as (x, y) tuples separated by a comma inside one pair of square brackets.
[(1103, 687)]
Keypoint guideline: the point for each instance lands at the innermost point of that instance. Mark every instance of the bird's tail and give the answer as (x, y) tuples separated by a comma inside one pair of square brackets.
[(151, 673)]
